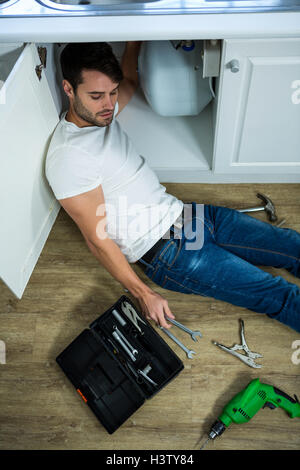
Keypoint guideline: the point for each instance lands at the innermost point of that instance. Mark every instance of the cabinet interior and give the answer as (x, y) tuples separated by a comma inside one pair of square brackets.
[(175, 146)]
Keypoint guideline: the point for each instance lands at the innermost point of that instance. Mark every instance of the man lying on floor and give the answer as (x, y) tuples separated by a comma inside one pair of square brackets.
[(126, 215)]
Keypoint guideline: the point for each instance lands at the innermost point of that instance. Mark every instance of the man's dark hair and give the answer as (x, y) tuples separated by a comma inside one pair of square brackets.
[(91, 56)]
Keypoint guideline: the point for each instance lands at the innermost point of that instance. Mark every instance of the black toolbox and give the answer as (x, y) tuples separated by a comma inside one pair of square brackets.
[(118, 363)]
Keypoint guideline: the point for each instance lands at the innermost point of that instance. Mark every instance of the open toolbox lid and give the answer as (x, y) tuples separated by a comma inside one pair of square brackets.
[(112, 384)]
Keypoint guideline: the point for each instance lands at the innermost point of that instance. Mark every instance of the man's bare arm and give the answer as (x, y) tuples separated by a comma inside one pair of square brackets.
[(129, 66), (88, 212)]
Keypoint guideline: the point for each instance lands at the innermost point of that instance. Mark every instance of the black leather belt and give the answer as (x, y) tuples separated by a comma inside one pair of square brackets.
[(149, 255)]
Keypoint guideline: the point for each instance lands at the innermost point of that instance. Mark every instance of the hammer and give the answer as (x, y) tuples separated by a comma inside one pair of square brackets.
[(268, 207)]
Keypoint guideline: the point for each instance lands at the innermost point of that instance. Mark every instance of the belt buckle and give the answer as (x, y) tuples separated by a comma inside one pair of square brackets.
[(179, 222)]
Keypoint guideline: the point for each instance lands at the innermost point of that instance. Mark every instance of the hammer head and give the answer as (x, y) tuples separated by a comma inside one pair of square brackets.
[(269, 207)]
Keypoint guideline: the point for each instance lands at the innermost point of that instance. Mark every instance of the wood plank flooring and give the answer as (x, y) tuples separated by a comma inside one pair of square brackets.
[(40, 409)]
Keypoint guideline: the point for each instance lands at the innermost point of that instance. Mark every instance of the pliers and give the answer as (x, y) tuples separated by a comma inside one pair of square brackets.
[(248, 357)]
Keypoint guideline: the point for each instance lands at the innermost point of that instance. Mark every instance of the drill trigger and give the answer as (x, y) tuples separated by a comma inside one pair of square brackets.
[(269, 405)]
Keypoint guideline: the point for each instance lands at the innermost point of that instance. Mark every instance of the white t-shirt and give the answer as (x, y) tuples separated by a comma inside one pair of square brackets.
[(139, 211)]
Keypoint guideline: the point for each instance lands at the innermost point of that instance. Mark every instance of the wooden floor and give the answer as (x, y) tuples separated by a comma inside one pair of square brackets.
[(40, 409)]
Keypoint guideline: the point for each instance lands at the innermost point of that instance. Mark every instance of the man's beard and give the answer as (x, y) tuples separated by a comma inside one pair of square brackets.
[(87, 116)]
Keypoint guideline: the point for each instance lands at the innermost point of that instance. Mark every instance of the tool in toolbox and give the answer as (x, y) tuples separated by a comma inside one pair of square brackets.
[(133, 350), (249, 356), (145, 373), (118, 363), (118, 317), (132, 314), (124, 345), (248, 402)]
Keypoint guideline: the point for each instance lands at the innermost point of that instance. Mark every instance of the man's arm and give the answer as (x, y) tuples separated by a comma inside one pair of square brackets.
[(88, 212), (129, 66)]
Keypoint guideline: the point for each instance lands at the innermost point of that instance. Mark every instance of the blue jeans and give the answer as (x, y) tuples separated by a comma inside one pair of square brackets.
[(226, 266)]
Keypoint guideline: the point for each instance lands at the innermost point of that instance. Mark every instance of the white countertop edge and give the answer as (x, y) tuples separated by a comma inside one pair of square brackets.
[(148, 27)]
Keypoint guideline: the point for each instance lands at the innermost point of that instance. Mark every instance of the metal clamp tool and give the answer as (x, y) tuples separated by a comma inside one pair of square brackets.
[(131, 313), (249, 357)]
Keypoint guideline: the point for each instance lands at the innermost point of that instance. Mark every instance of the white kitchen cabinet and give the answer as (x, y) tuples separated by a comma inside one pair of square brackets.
[(28, 208), (258, 116)]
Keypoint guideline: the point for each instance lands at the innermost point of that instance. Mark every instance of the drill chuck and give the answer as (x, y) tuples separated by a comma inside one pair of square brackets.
[(217, 429)]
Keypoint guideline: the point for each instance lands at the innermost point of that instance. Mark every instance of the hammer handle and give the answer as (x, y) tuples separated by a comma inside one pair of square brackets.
[(252, 209)]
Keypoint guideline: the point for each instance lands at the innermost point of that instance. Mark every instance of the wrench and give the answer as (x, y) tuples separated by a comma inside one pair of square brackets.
[(189, 352), (134, 351), (185, 328), (121, 342)]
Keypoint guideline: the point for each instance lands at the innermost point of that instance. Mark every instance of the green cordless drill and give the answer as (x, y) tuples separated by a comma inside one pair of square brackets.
[(249, 401)]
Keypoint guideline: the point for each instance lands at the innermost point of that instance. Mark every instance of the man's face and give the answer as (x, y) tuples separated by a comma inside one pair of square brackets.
[(95, 99)]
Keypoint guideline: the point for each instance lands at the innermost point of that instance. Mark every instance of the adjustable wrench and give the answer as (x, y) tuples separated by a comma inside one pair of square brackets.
[(189, 352), (185, 328)]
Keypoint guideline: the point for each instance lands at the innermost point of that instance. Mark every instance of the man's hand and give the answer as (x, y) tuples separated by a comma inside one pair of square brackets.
[(156, 308)]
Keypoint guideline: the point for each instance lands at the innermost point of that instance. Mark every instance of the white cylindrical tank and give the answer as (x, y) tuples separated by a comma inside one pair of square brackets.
[(171, 78)]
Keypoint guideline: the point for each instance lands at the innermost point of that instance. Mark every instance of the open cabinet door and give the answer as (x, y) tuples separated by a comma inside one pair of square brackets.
[(28, 208)]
